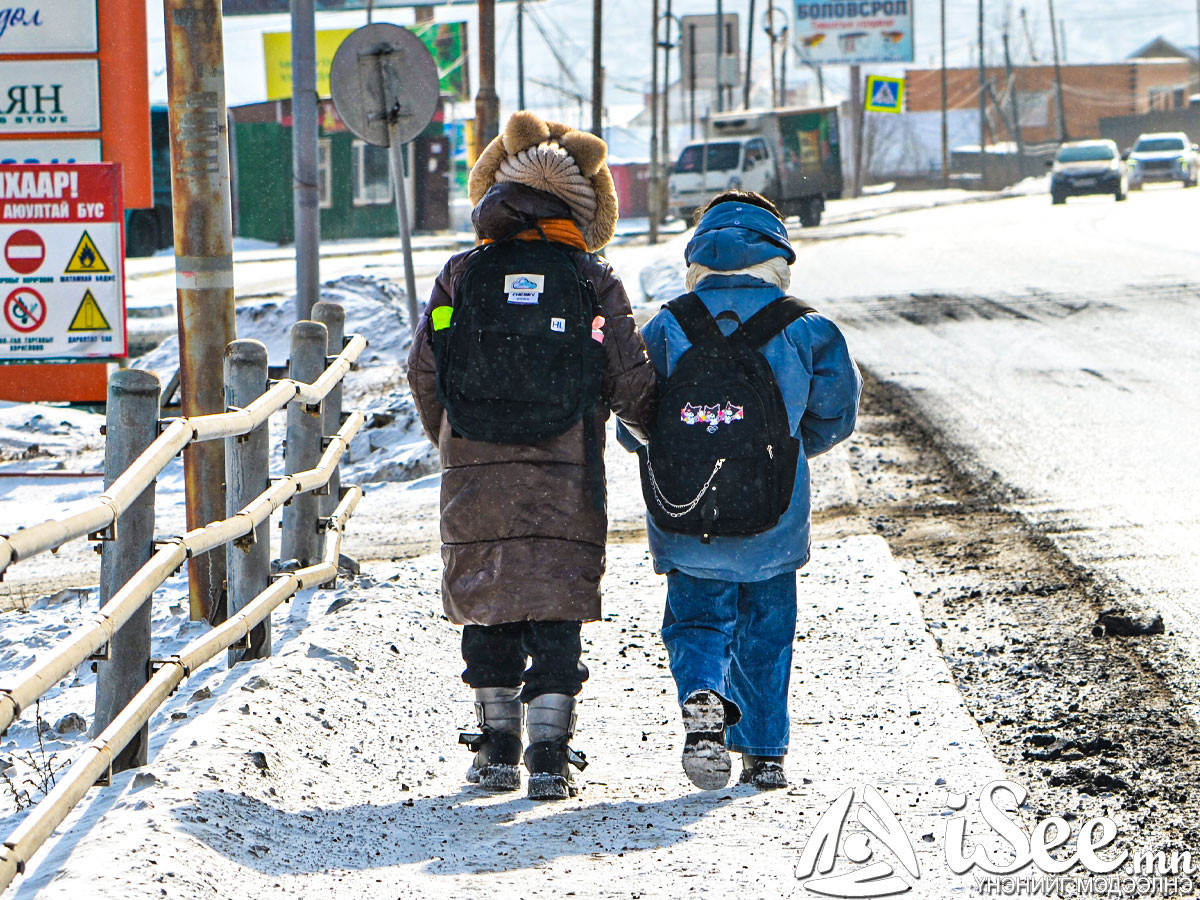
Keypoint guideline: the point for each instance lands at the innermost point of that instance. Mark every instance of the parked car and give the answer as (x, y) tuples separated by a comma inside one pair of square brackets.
[(1088, 167), (1166, 156)]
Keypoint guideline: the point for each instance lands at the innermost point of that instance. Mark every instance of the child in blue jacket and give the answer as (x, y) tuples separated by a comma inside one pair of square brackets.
[(731, 603)]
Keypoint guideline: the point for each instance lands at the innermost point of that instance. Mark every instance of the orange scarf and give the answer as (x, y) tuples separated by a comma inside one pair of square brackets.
[(560, 231)]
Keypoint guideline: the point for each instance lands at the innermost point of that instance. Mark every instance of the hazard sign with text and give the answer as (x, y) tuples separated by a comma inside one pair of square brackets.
[(62, 278)]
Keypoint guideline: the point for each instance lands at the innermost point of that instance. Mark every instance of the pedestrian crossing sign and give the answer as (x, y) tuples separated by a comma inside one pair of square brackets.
[(885, 95)]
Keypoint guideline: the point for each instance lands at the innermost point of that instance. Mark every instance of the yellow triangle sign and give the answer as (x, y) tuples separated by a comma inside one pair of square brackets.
[(89, 316), (86, 260)]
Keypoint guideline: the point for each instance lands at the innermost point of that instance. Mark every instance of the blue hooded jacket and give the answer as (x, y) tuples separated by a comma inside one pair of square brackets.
[(818, 379)]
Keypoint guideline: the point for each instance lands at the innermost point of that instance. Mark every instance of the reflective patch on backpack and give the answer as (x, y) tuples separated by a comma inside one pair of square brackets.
[(711, 416), (525, 290)]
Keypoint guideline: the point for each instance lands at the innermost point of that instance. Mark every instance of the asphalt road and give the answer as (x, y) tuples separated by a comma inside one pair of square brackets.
[(1059, 350)]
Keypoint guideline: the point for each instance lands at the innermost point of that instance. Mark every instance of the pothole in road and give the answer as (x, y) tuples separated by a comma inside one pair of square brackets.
[(1077, 716)]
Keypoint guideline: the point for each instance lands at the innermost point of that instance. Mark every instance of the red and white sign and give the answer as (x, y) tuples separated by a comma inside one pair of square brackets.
[(25, 310), (62, 273), (24, 251)]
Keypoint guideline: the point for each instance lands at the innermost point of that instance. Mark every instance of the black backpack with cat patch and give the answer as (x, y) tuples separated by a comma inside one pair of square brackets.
[(721, 460)]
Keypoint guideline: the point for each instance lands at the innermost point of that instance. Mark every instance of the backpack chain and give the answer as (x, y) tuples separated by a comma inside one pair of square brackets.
[(683, 508)]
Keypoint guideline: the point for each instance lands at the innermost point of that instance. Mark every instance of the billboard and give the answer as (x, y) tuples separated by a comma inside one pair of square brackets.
[(447, 41), (265, 7), (49, 26), (849, 32), (74, 87)]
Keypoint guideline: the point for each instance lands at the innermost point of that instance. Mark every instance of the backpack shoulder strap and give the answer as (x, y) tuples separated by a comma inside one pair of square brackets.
[(772, 319), (694, 318)]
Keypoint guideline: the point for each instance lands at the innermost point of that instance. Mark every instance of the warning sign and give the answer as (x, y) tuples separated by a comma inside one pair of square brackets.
[(884, 94), (25, 310), (24, 251), (89, 316), (86, 259), (61, 274)]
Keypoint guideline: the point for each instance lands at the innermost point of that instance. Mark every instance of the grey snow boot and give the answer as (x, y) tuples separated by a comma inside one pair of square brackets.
[(764, 772), (551, 724), (705, 757), (497, 745)]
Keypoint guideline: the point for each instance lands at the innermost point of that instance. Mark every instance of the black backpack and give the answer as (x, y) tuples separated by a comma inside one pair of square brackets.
[(721, 458), (516, 363)]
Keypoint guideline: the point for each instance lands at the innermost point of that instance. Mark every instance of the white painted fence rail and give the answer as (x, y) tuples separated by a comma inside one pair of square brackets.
[(120, 725)]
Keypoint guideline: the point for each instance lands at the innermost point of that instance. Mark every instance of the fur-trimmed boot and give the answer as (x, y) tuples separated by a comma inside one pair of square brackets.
[(497, 745), (705, 756), (551, 724)]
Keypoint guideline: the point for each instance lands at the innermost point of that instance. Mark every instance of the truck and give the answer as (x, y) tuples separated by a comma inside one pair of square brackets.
[(791, 156)]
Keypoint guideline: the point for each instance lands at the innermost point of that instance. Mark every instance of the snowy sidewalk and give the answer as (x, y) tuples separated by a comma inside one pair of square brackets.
[(330, 770)]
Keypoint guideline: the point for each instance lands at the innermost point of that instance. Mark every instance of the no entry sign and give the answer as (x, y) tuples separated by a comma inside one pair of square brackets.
[(61, 275), (25, 251)]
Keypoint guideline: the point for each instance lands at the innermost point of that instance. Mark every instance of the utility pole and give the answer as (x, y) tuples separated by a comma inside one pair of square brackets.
[(692, 77), (750, 55), (858, 111), (520, 54), (203, 222), (945, 124), (1016, 111), (654, 196), (783, 74), (668, 44), (306, 194), (487, 102), (774, 83), (983, 106), (597, 69), (1062, 111), (720, 57)]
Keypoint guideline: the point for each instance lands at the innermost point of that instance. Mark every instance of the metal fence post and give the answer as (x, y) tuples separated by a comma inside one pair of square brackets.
[(304, 426), (333, 317), (247, 475), (131, 426)]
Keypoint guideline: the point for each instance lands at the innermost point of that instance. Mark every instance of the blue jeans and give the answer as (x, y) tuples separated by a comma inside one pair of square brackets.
[(735, 638)]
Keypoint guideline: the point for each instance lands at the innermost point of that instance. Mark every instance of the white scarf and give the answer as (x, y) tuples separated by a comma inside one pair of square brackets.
[(774, 271)]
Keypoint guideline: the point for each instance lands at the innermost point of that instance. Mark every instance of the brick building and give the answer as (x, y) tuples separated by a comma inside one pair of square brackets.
[(1091, 92)]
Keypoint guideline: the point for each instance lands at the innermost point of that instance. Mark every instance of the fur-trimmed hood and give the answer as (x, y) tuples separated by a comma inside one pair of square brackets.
[(557, 159)]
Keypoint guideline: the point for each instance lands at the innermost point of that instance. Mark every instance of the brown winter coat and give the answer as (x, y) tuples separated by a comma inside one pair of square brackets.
[(521, 538)]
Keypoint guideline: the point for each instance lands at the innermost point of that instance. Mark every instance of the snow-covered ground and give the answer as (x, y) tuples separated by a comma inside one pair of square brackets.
[(331, 770)]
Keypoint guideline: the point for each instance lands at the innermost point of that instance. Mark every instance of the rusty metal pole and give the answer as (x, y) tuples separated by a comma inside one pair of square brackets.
[(487, 102), (306, 150), (203, 263), (654, 195)]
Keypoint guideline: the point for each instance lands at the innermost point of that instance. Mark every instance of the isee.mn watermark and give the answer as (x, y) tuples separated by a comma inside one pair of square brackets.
[(1052, 860)]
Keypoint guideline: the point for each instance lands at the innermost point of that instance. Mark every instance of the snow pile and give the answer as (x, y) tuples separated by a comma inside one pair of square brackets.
[(374, 308), (663, 279), (391, 447), (47, 738), (1035, 184), (33, 433)]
